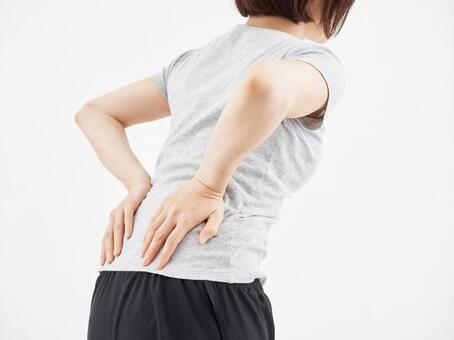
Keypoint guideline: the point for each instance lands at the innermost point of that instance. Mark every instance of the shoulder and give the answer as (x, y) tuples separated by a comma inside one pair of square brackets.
[(312, 49), (320, 56), (326, 61), (181, 56)]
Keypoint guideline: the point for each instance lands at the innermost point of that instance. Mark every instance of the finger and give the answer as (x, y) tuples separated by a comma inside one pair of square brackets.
[(108, 241), (109, 246), (156, 217), (158, 240), (152, 228), (102, 259), (129, 221), (119, 231), (211, 227), (172, 242), (155, 225)]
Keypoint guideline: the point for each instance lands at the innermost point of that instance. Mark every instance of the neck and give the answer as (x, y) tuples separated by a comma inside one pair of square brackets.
[(301, 30)]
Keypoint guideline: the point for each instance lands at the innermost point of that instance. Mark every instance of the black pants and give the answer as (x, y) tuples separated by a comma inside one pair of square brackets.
[(133, 305)]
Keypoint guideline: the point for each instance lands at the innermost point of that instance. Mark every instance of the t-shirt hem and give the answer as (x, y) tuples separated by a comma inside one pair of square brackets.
[(192, 274)]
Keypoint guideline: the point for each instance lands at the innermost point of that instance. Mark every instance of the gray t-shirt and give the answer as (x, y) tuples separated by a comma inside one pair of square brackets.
[(197, 84)]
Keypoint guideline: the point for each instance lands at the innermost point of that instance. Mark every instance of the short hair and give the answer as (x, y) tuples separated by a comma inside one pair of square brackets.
[(333, 14)]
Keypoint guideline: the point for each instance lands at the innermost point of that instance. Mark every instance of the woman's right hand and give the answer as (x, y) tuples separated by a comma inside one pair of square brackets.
[(121, 222)]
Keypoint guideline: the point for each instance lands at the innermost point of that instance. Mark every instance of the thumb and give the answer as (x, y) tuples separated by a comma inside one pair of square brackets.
[(211, 227)]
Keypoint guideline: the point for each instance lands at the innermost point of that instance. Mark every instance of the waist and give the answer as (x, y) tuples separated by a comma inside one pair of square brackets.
[(235, 254), (262, 205)]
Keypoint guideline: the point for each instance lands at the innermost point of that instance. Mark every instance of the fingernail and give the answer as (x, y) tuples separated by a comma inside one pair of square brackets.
[(203, 239)]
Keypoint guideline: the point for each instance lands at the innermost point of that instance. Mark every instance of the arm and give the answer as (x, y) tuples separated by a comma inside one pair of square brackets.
[(103, 120), (270, 92)]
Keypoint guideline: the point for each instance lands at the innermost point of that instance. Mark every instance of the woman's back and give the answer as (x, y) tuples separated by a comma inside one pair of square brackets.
[(197, 85)]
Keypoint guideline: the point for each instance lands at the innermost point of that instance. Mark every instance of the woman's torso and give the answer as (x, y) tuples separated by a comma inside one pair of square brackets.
[(198, 85)]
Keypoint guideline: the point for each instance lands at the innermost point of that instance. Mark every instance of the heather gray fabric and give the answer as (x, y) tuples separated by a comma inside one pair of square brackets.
[(197, 84)]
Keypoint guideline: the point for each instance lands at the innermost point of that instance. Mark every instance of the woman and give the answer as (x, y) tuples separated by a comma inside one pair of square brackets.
[(181, 255)]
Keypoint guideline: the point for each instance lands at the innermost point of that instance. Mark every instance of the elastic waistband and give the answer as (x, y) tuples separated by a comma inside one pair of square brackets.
[(256, 284)]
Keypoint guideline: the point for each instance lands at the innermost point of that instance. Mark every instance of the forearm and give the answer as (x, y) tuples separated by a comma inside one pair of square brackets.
[(108, 138), (251, 115)]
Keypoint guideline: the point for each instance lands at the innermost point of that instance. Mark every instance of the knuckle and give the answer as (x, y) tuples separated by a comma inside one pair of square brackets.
[(129, 207), (185, 219), (167, 201), (129, 213), (171, 241), (210, 232), (158, 237), (171, 210)]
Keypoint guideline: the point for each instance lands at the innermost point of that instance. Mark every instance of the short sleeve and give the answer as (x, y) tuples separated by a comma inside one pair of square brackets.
[(160, 77), (332, 70)]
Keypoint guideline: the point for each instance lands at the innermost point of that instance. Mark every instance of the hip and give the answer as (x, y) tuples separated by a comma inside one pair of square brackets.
[(141, 305), (234, 255)]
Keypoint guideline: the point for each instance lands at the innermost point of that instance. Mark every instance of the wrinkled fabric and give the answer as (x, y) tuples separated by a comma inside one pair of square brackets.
[(198, 84)]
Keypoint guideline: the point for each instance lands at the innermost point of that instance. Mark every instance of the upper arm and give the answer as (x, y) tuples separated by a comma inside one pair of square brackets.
[(311, 80), (302, 85), (143, 100), (134, 103), (310, 92)]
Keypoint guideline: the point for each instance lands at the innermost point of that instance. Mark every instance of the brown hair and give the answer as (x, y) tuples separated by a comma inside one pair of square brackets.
[(333, 14)]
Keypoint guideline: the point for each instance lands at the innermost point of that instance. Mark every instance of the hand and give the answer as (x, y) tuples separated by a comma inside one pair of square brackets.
[(180, 212), (121, 222)]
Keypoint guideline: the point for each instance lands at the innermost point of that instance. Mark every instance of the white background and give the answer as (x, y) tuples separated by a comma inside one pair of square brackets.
[(364, 251)]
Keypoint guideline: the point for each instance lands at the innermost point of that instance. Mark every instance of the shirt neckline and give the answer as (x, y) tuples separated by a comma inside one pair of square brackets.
[(269, 30)]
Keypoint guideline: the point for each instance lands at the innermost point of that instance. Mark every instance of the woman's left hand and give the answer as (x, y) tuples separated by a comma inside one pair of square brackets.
[(179, 213)]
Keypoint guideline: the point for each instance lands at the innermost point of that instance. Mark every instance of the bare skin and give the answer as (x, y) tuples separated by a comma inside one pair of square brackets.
[(270, 92)]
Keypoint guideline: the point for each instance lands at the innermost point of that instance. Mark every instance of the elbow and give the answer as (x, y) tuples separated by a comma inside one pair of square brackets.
[(80, 115), (261, 84), (85, 112), (94, 110)]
